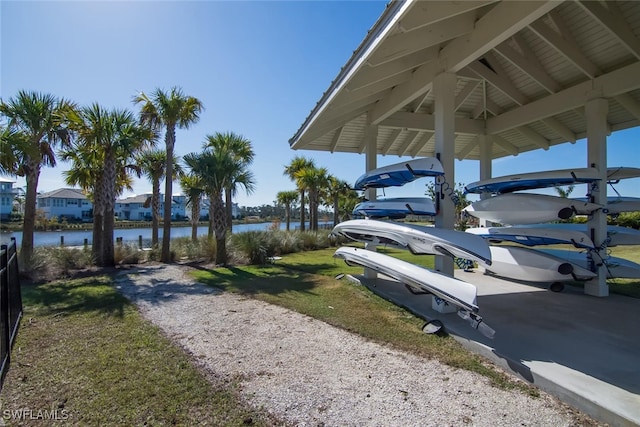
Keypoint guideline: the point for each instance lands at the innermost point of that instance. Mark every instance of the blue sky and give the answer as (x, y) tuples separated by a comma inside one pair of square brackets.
[(259, 67)]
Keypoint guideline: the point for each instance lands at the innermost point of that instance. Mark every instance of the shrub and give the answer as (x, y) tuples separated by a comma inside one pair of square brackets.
[(250, 246)]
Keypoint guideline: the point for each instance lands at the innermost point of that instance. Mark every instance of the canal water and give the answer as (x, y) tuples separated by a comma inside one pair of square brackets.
[(130, 235)]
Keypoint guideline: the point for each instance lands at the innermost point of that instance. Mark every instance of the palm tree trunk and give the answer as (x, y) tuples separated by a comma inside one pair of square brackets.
[(170, 139), (98, 223), (195, 218), (302, 209), (155, 213), (108, 190), (229, 209), (220, 230), (287, 215), (26, 251), (336, 207)]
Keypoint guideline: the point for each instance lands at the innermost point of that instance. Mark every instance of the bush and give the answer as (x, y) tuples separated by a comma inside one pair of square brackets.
[(250, 246), (628, 219), (58, 261)]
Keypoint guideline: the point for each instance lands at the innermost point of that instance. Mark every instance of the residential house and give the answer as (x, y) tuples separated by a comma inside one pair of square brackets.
[(65, 203), (7, 195), (138, 208)]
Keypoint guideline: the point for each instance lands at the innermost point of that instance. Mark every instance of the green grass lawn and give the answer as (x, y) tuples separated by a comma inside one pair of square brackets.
[(85, 352)]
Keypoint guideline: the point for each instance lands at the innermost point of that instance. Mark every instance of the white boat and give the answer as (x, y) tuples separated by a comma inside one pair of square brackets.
[(530, 265), (450, 289), (454, 291), (528, 208), (398, 207), (617, 236), (399, 174), (416, 238), (618, 204), (552, 178), (616, 267), (534, 236), (532, 180)]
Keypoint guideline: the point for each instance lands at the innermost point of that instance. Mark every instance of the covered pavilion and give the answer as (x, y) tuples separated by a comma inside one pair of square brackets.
[(484, 80)]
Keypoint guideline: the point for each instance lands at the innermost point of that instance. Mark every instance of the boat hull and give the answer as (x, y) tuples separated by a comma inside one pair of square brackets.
[(452, 290), (415, 238), (525, 208), (399, 174), (530, 265), (617, 268), (395, 208), (534, 236)]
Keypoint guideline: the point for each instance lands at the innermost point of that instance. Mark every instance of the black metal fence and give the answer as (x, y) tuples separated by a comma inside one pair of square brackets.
[(10, 304)]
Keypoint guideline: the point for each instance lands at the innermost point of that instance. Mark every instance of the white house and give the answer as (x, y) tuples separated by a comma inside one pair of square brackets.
[(7, 195), (138, 208), (65, 203)]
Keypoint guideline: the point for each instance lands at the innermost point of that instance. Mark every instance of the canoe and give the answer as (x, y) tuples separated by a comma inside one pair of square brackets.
[(399, 174), (545, 179), (616, 267), (618, 204), (618, 236), (395, 208), (450, 289), (416, 238), (528, 208), (534, 236), (531, 265)]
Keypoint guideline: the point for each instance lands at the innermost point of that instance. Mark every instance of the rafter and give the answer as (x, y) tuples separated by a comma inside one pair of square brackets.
[(422, 122), (629, 104), (612, 19), (370, 133), (505, 145), (487, 105), (426, 13), (560, 129), (465, 93), (392, 138), (566, 47), (467, 149), (496, 26), (534, 137), (410, 138), (424, 139), (336, 139), (527, 63), (499, 80), (402, 44), (607, 85)]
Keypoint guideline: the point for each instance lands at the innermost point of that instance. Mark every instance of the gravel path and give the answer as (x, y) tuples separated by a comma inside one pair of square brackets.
[(312, 374)]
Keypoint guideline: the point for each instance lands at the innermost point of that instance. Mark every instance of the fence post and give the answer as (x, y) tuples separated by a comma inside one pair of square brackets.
[(4, 312), (86, 243), (61, 240), (140, 241)]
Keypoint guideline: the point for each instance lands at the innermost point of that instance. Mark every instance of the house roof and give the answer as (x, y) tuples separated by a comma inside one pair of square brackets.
[(63, 193), (524, 73)]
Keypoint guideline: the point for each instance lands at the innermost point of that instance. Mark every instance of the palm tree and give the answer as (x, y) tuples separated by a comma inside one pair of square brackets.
[(38, 122), (335, 189), (152, 164), (287, 198), (108, 142), (564, 192), (313, 180), (171, 110), (193, 188), (241, 149), (290, 170)]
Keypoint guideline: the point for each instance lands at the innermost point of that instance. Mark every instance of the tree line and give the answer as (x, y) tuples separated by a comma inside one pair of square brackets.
[(108, 147)]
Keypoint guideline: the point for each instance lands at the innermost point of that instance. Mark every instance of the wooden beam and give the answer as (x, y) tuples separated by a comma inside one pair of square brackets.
[(499, 81), (534, 137), (423, 122), (336, 139), (392, 138), (560, 129), (424, 13), (467, 149), (424, 139), (527, 63), (567, 48), (370, 134), (607, 85), (505, 145), (629, 104), (465, 93), (612, 19), (410, 138), (500, 23)]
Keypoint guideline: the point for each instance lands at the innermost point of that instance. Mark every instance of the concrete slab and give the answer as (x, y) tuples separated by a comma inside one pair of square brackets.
[(583, 349)]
